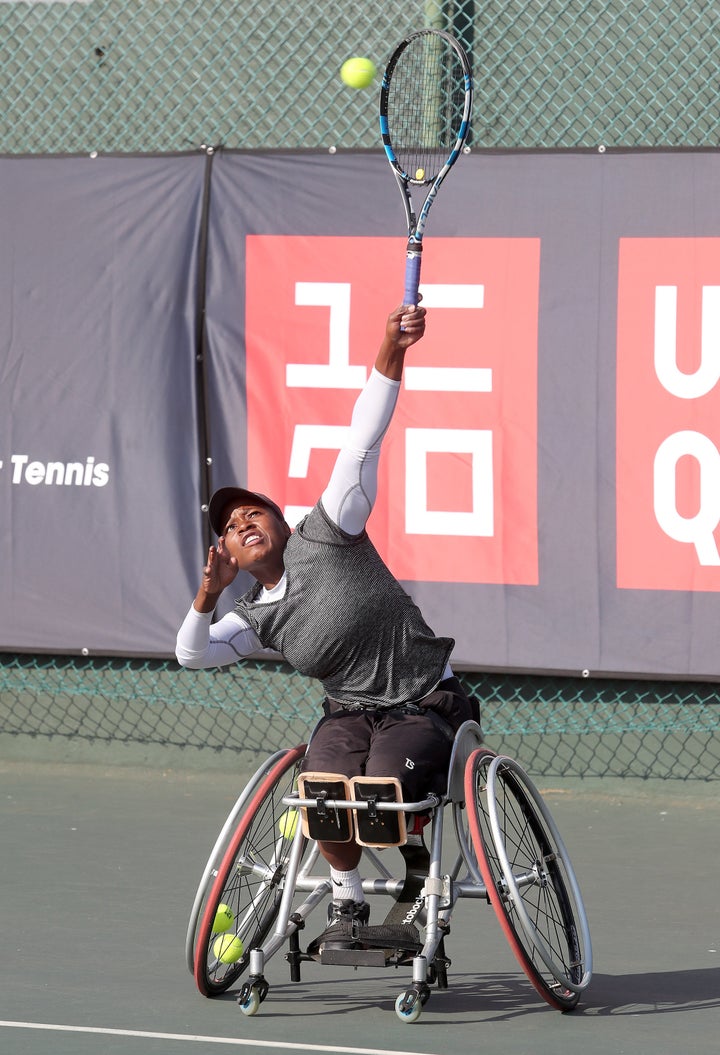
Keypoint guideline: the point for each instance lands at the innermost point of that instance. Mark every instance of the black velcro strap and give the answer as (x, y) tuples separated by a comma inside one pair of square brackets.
[(410, 900)]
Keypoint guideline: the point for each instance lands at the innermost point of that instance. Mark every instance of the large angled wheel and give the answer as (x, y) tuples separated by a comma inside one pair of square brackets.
[(249, 880), (218, 852), (529, 878)]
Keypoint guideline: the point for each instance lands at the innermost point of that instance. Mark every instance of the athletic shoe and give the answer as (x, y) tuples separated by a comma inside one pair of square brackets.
[(346, 919), (346, 911)]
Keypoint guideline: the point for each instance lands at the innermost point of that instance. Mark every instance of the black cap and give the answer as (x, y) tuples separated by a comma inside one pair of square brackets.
[(230, 494)]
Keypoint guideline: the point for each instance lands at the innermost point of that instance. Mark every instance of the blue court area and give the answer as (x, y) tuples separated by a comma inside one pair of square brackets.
[(99, 868)]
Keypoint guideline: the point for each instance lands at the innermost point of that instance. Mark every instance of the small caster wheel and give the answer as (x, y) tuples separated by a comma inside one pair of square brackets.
[(252, 995), (408, 1006), (251, 1004)]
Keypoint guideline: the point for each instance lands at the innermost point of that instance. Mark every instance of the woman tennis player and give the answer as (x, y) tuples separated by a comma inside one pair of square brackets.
[(324, 600)]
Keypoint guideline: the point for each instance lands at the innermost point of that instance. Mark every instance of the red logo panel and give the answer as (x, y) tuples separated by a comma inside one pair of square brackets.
[(458, 475), (668, 414)]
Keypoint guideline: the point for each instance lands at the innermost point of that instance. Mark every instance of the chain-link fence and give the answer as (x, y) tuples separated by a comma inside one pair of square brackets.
[(169, 75), (554, 726)]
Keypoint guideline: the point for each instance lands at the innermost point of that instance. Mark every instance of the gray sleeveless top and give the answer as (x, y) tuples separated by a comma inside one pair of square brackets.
[(346, 620)]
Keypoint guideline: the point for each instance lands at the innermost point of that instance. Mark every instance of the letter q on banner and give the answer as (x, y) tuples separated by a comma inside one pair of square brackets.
[(668, 414), (457, 497), (696, 529)]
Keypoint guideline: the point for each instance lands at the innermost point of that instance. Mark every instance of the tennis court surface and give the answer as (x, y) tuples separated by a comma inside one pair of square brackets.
[(99, 868)]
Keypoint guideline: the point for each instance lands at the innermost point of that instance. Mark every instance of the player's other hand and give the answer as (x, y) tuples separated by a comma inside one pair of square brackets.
[(220, 569)]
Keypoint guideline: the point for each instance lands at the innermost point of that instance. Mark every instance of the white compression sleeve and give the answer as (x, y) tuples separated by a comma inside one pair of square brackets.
[(350, 494), (201, 643)]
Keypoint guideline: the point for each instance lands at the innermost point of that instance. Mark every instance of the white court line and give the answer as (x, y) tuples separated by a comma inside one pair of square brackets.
[(198, 1039)]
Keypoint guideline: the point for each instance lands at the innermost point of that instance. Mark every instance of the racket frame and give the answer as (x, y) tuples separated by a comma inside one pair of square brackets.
[(416, 222)]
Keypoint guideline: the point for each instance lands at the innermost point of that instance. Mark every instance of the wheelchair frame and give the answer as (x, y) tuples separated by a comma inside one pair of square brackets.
[(509, 854)]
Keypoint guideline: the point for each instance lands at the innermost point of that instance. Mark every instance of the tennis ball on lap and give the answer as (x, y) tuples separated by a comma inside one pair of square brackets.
[(224, 919), (358, 72), (288, 823), (228, 948)]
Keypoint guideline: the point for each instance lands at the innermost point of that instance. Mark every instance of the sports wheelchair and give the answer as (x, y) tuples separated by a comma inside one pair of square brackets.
[(264, 878)]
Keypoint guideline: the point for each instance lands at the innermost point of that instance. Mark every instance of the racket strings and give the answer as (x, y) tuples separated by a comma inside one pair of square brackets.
[(425, 106)]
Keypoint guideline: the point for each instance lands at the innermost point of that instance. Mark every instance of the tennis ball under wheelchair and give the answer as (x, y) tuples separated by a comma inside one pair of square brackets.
[(224, 919), (287, 824), (228, 948), (358, 72)]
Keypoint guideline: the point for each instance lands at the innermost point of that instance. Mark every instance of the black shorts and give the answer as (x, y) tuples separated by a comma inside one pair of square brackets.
[(414, 747)]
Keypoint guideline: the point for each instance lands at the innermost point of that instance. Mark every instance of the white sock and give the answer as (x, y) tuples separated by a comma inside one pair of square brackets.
[(346, 885)]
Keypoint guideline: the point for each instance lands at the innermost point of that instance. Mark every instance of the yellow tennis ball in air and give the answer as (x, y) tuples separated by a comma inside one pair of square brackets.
[(228, 948), (224, 919), (288, 823), (358, 72), (420, 174)]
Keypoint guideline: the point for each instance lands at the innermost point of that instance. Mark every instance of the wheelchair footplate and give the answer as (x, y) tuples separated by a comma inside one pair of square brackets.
[(379, 946)]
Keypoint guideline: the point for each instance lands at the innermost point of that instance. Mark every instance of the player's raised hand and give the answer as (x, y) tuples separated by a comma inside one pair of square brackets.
[(404, 327), (219, 571)]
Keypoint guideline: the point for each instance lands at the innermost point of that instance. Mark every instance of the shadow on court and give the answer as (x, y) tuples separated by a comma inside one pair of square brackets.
[(509, 996), (99, 867), (655, 993)]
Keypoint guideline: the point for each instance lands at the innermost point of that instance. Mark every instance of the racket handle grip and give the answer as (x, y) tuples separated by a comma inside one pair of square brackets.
[(412, 274)]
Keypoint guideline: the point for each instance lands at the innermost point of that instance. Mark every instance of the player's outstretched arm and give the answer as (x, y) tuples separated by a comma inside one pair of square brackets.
[(350, 495)]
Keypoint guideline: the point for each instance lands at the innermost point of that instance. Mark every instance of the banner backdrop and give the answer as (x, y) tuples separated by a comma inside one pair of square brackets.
[(550, 485), (549, 490), (99, 484)]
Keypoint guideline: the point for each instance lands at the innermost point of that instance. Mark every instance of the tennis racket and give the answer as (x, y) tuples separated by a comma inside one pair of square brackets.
[(425, 105)]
